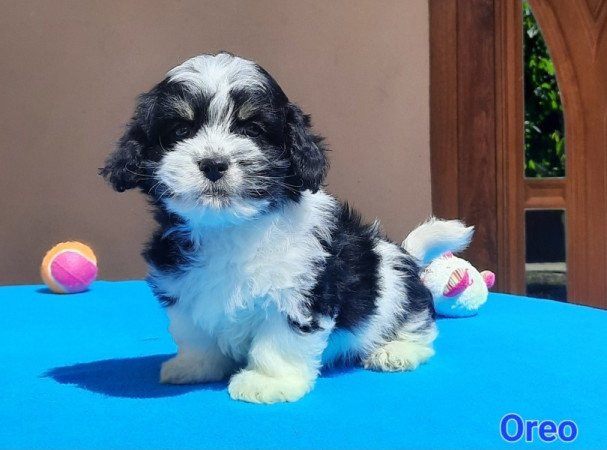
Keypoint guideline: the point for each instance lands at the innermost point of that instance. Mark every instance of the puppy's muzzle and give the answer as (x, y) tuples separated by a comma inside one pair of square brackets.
[(213, 168)]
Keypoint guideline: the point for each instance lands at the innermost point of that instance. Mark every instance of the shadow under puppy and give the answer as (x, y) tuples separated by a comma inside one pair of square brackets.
[(265, 277)]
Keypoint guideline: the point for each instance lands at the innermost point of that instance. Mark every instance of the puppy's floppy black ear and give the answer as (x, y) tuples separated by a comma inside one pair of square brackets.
[(123, 167), (308, 154)]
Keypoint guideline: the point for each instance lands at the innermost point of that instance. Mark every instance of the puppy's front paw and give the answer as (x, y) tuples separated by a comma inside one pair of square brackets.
[(255, 387), (186, 370)]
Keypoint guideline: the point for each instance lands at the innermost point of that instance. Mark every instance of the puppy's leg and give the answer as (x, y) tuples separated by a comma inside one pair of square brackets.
[(411, 347), (198, 359), (283, 363)]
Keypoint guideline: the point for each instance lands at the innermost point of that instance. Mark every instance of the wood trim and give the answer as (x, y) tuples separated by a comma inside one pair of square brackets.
[(476, 116), (574, 138), (462, 124), (510, 142), (549, 193), (443, 107), (577, 40), (476, 127)]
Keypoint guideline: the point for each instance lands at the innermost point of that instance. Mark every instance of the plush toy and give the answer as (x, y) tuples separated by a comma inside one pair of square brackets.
[(459, 290), (69, 267)]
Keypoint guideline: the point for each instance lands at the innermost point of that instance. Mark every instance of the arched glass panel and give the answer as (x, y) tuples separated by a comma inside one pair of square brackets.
[(544, 123)]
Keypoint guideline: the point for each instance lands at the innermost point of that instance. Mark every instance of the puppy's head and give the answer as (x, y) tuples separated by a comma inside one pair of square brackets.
[(218, 139)]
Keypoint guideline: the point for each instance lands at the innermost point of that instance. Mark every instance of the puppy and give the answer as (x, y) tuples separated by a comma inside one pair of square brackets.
[(265, 277)]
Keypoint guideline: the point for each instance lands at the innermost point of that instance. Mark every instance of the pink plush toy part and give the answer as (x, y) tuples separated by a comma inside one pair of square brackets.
[(457, 287)]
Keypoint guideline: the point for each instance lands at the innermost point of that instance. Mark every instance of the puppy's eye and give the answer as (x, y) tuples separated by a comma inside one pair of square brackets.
[(182, 131), (252, 130)]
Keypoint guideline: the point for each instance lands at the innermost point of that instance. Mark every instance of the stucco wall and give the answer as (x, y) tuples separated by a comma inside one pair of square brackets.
[(72, 69)]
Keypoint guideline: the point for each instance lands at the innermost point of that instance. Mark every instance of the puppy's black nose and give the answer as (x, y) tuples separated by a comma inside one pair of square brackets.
[(213, 168)]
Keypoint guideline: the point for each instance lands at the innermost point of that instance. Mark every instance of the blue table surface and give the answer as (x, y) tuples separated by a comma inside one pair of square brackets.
[(81, 371)]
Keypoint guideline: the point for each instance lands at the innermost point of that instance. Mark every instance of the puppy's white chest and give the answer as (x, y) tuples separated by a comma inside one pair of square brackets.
[(233, 273), (237, 277), (223, 280)]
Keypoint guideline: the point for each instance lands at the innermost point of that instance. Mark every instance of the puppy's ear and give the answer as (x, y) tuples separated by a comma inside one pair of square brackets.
[(308, 154), (124, 167)]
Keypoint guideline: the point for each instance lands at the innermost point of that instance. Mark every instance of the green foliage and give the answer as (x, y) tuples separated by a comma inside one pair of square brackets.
[(544, 130)]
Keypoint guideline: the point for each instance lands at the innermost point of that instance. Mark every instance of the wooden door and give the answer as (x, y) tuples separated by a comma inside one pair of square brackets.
[(575, 34), (477, 133)]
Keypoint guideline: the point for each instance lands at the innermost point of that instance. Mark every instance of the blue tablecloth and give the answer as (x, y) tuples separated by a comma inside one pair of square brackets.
[(81, 371)]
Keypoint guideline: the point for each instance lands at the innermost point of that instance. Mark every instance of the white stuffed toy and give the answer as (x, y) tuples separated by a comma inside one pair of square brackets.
[(458, 289)]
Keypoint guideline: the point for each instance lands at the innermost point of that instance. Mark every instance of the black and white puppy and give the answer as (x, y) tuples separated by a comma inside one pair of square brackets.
[(265, 277)]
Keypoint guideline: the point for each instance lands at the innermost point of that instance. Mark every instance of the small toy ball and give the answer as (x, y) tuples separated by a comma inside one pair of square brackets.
[(69, 267), (458, 289)]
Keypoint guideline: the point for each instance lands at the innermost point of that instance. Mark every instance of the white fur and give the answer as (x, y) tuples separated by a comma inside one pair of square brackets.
[(235, 297), (267, 261), (435, 237), (216, 73), (282, 364)]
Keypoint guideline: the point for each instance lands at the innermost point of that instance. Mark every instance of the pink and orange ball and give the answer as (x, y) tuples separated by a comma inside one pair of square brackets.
[(69, 267)]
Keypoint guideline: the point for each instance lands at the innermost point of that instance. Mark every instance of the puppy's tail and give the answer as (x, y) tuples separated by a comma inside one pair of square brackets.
[(435, 237)]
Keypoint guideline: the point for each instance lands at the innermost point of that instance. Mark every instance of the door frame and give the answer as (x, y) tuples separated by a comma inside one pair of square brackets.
[(477, 137), (474, 106)]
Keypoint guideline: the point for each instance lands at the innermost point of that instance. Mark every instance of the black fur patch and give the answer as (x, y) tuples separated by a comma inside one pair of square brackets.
[(420, 297), (167, 251), (305, 328), (348, 286), (308, 153)]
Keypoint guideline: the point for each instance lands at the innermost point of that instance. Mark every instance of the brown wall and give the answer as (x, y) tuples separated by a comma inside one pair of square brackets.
[(71, 70)]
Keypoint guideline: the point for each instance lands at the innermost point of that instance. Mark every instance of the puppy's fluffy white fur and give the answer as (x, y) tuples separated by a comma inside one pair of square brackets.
[(266, 277)]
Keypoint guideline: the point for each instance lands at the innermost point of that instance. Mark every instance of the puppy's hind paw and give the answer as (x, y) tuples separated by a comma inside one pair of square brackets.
[(398, 356)]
